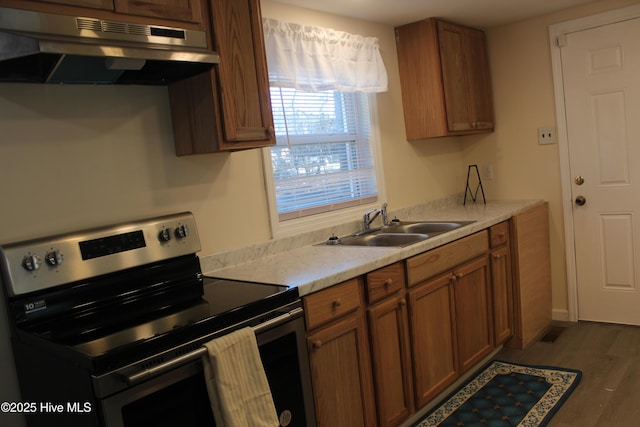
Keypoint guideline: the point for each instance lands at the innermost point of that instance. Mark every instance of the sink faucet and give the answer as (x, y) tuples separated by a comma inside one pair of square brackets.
[(368, 218)]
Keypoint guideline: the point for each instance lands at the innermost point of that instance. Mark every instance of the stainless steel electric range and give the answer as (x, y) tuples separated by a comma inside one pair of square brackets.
[(108, 325)]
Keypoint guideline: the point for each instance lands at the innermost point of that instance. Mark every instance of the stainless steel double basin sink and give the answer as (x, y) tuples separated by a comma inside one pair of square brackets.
[(398, 233)]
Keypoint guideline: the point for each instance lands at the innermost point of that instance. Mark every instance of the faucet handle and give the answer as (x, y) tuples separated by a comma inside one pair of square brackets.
[(385, 217)]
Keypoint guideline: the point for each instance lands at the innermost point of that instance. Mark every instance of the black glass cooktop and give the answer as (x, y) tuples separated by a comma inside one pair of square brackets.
[(224, 295)]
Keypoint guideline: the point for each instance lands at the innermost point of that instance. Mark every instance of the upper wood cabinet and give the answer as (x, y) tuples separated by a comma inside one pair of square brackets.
[(229, 108), (171, 10), (98, 4), (177, 10), (445, 79)]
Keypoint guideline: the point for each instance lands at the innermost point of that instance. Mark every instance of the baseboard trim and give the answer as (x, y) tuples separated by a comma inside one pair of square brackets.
[(561, 315)]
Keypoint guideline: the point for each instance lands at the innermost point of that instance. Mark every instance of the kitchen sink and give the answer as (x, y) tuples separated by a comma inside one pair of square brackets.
[(397, 234), (424, 227), (376, 238)]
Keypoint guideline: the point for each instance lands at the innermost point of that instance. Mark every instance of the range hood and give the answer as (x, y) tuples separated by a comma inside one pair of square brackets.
[(38, 47)]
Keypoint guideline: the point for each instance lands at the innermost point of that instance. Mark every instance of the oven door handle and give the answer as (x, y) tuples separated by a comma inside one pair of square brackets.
[(196, 354)]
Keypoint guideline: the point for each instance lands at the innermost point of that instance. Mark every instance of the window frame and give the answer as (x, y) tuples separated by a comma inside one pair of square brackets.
[(280, 228)]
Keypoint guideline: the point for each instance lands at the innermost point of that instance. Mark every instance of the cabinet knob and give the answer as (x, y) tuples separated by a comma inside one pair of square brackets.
[(459, 275), (336, 303), (387, 283), (402, 302), (316, 344), (498, 256)]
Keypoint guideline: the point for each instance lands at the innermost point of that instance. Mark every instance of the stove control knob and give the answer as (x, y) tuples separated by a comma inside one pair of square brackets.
[(182, 231), (164, 235), (54, 258), (31, 262)]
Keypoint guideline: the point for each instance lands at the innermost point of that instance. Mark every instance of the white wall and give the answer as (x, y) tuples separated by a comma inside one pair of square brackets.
[(73, 157), (78, 156), (524, 101)]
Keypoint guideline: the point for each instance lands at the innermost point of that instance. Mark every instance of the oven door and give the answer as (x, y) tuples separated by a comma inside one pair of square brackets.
[(178, 397)]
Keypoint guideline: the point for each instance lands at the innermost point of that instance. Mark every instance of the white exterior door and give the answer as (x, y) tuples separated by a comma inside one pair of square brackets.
[(601, 78)]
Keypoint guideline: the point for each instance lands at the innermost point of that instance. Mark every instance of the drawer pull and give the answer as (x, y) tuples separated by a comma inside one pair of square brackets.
[(336, 304), (387, 283)]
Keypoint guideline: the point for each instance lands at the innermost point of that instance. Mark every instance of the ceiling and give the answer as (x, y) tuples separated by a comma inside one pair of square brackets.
[(477, 13)]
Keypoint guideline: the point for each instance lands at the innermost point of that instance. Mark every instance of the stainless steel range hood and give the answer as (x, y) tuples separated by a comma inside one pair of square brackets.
[(48, 48)]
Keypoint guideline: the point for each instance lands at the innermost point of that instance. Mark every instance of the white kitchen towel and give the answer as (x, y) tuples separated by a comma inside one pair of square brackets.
[(236, 382)]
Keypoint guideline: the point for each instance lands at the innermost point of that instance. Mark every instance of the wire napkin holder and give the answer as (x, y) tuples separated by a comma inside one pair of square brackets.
[(473, 194)]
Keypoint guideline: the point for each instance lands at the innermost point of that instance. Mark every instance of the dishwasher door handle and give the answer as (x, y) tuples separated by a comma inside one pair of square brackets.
[(196, 354)]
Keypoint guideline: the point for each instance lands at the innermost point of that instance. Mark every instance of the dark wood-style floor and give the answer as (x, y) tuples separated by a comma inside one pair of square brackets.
[(608, 356)]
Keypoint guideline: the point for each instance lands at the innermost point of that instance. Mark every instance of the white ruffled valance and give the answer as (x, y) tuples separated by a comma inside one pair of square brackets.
[(316, 58)]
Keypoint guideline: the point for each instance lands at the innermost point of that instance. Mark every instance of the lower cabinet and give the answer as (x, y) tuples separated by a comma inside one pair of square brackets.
[(450, 313), (429, 319), (390, 348), (339, 357), (474, 328), (501, 282), (532, 275), (451, 326), (433, 342)]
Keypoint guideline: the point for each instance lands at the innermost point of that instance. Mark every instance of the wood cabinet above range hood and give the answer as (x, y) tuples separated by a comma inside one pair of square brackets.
[(41, 47)]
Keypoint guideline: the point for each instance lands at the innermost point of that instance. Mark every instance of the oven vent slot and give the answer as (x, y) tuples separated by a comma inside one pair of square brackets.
[(153, 362), (187, 349)]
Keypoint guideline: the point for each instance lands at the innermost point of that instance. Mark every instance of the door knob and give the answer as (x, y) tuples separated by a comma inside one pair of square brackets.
[(580, 200)]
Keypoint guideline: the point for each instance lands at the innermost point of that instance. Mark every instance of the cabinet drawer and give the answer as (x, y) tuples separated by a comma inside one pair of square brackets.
[(499, 234), (331, 303), (428, 264), (384, 282)]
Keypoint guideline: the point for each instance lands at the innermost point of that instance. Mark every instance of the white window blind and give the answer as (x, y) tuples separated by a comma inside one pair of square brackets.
[(322, 160)]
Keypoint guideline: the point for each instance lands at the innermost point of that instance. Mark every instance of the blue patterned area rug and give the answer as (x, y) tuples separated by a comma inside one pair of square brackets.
[(504, 394)]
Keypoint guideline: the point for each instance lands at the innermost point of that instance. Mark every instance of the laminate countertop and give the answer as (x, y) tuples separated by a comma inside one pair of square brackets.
[(309, 266)]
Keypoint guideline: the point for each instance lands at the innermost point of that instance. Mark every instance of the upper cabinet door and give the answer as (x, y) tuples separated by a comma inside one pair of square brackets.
[(189, 12), (454, 76), (228, 108), (95, 4), (445, 79), (466, 78), (244, 85), (175, 10), (479, 80)]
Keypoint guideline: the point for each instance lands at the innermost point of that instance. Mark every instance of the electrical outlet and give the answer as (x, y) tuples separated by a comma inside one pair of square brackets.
[(546, 136), (488, 171)]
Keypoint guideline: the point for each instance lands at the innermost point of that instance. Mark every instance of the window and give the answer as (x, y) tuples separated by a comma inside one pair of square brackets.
[(322, 81), (323, 159)]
